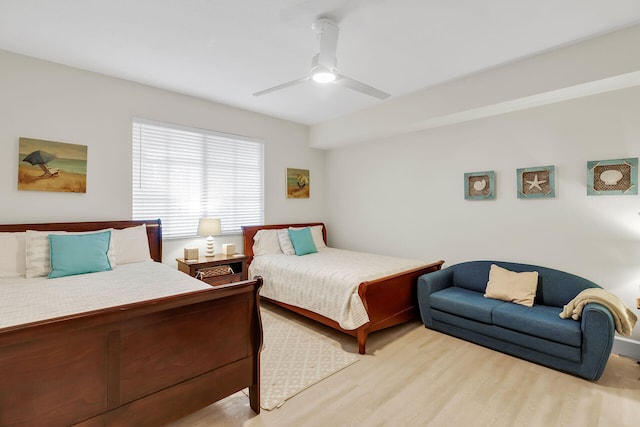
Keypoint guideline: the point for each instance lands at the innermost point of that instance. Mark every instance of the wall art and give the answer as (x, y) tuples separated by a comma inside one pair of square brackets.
[(611, 177), (480, 185), (536, 183), (298, 183), (52, 166)]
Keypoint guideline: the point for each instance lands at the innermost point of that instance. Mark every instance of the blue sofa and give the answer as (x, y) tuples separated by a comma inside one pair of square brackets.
[(452, 301)]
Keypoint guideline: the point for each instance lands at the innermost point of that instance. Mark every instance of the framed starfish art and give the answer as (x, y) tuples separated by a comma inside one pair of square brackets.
[(536, 183)]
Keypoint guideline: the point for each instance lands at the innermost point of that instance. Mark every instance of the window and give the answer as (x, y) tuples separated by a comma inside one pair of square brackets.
[(183, 174)]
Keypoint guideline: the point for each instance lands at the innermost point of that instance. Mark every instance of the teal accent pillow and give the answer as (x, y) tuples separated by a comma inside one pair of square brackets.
[(302, 241), (79, 253)]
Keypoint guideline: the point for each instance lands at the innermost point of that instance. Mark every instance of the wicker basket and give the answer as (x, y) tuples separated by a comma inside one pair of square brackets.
[(222, 270)]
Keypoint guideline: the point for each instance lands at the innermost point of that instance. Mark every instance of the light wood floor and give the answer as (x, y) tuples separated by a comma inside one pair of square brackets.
[(412, 376)]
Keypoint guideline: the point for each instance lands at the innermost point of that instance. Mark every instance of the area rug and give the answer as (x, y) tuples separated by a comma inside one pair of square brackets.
[(294, 358)]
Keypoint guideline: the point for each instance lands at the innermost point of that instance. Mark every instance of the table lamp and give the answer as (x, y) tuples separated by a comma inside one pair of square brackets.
[(209, 227)]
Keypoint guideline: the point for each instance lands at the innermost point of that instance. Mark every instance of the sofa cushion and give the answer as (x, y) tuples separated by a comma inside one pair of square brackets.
[(464, 303), (512, 286), (502, 338), (539, 320), (471, 275)]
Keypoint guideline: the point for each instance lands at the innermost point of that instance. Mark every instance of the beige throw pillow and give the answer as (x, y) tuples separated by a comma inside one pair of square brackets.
[(510, 286)]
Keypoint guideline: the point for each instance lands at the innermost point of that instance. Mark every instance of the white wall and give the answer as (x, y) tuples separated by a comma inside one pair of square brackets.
[(399, 195), (403, 195), (42, 100)]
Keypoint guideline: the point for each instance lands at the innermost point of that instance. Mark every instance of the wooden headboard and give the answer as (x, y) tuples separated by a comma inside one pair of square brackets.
[(154, 230), (249, 231)]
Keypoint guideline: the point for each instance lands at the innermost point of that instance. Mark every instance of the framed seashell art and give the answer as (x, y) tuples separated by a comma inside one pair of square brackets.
[(538, 182), (480, 185), (610, 177)]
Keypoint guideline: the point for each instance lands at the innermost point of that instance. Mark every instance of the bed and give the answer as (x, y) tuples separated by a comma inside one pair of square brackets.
[(142, 363), (387, 300)]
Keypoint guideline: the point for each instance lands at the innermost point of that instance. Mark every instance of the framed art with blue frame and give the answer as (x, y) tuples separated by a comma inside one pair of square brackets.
[(480, 185), (612, 177), (536, 183)]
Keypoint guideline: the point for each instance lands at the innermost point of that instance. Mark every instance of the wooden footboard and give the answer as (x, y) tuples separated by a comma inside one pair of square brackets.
[(389, 301), (144, 364)]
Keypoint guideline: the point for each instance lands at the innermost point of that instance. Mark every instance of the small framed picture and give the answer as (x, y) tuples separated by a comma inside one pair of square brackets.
[(611, 177), (480, 185), (298, 183), (536, 183)]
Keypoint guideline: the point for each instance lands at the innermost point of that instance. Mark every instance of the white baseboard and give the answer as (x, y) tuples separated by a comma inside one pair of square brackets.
[(626, 347)]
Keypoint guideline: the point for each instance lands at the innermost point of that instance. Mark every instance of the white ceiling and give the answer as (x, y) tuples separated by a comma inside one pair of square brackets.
[(225, 50)]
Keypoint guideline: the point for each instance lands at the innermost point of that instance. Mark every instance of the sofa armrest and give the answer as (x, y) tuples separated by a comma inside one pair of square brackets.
[(598, 331), (427, 285)]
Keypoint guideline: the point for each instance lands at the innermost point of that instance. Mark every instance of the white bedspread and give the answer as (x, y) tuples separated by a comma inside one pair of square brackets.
[(326, 282), (30, 300)]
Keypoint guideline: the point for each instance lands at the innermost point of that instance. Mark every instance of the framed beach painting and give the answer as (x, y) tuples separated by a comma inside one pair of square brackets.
[(536, 183), (52, 166), (480, 185), (611, 177), (298, 183)]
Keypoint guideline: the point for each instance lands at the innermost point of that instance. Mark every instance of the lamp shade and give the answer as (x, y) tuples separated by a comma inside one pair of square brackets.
[(209, 227)]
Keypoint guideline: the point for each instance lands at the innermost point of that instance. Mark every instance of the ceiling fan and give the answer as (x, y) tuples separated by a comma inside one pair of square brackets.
[(324, 64)]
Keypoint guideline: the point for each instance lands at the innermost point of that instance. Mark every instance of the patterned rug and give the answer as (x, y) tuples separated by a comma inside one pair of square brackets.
[(294, 358)]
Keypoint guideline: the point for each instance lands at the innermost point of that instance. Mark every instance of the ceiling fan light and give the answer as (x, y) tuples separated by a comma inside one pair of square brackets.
[(323, 76)]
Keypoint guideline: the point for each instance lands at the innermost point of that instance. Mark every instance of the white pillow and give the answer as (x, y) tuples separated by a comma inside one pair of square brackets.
[(132, 244), (38, 261), (316, 233), (12, 254), (285, 242), (266, 242)]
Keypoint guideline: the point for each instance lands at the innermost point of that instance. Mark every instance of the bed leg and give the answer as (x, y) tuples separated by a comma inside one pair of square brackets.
[(254, 398), (362, 340)]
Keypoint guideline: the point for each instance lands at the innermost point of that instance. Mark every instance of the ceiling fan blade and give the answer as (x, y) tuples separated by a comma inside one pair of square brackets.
[(282, 86), (352, 84), (328, 33)]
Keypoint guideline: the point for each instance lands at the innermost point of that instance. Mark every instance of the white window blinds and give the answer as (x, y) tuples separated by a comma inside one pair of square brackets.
[(183, 174)]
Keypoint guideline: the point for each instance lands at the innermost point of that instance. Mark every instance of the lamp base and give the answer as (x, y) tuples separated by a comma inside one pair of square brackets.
[(210, 251)]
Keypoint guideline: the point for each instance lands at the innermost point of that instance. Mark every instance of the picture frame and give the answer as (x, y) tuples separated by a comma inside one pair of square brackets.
[(536, 183), (480, 185), (52, 166), (612, 177), (298, 183)]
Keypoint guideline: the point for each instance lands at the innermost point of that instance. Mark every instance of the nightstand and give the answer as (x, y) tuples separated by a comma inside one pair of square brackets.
[(216, 270)]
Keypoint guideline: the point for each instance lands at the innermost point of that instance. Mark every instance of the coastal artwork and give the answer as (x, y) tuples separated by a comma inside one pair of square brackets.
[(538, 182), (480, 185), (52, 166), (298, 183), (612, 177)]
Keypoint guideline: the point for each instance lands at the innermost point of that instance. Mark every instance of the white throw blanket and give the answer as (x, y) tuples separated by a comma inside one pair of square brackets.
[(625, 320)]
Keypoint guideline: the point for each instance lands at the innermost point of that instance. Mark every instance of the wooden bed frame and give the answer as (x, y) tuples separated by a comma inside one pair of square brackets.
[(142, 364), (388, 300)]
